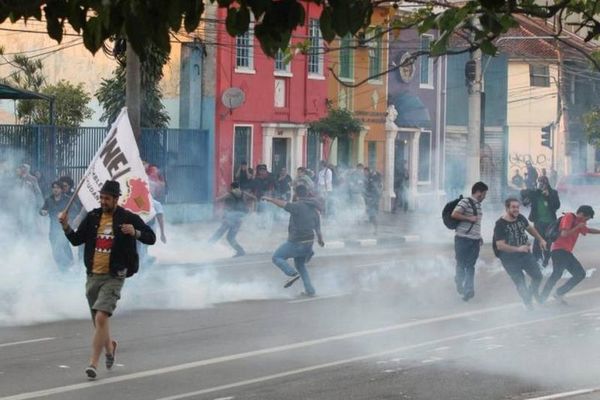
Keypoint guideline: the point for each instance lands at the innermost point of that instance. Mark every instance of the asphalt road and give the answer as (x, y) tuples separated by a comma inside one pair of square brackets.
[(387, 324)]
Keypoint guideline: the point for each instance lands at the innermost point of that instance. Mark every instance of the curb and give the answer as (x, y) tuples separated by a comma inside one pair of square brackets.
[(373, 242)]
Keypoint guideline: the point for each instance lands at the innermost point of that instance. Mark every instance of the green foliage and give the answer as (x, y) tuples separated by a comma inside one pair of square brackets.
[(147, 22), (70, 105), (28, 75), (338, 123), (111, 93), (591, 125)]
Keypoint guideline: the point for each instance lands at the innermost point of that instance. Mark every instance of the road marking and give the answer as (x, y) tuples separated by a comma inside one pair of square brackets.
[(298, 345), (316, 298), (566, 394), (362, 358), (45, 339)]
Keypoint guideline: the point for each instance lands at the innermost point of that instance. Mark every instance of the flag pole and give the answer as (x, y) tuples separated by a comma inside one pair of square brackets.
[(113, 132)]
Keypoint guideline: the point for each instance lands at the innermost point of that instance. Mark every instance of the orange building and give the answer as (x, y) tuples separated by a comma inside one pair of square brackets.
[(358, 60)]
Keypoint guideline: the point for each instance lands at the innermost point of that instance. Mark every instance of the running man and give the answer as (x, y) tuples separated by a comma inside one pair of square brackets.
[(304, 223), (109, 234), (235, 211), (571, 226), (511, 245), (468, 241)]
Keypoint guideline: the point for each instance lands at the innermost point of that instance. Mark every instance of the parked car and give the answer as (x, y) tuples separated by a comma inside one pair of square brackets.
[(577, 189)]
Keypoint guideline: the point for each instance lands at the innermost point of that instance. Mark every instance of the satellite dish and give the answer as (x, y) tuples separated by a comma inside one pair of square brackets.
[(233, 97)]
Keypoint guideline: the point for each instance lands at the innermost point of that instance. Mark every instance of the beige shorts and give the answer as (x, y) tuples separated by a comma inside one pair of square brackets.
[(103, 292)]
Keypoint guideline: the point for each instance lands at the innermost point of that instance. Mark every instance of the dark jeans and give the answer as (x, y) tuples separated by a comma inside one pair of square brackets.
[(561, 260), (231, 224), (61, 250), (538, 253), (299, 252), (514, 264), (466, 252)]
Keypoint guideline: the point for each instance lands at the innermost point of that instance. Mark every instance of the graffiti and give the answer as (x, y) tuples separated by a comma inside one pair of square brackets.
[(518, 160)]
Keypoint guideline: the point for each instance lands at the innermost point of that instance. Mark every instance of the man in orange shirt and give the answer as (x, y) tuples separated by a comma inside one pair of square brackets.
[(571, 226)]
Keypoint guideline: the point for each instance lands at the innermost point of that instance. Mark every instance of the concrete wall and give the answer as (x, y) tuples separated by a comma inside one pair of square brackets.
[(71, 61)]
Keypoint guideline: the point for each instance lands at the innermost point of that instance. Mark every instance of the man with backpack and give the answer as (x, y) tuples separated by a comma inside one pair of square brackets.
[(235, 210), (570, 226), (467, 241), (544, 203), (511, 245)]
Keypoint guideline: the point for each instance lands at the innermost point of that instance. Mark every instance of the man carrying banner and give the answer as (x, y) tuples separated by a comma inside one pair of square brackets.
[(109, 234)]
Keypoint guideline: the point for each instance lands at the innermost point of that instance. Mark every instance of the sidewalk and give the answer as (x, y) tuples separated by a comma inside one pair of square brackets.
[(187, 243)]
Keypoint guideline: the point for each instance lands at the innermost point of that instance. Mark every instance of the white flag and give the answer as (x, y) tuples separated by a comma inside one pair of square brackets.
[(119, 159)]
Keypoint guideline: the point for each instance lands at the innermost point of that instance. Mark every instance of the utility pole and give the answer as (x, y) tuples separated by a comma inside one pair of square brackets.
[(473, 76), (132, 91)]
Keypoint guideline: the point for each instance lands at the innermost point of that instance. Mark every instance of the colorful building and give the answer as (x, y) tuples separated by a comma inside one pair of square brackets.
[(264, 104), (416, 90)]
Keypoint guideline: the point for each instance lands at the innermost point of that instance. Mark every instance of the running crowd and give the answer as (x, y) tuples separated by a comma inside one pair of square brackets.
[(554, 239)]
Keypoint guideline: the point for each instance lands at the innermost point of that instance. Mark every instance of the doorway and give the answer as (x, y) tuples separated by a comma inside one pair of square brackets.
[(280, 155)]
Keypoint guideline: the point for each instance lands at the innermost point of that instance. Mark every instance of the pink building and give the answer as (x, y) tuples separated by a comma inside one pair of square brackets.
[(279, 99)]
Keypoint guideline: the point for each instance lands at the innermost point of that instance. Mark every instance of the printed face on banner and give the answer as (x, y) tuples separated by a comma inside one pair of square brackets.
[(119, 159)]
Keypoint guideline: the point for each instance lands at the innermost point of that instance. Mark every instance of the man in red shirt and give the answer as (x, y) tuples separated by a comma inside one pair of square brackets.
[(571, 226)]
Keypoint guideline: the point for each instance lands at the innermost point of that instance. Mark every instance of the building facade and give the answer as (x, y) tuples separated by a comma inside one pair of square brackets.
[(263, 104), (416, 90)]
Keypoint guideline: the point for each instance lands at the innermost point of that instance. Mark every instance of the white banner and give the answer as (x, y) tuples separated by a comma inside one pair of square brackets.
[(119, 159)]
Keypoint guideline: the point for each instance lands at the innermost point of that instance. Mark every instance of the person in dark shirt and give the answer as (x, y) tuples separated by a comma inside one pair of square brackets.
[(54, 205), (235, 211), (244, 177), (544, 204), (283, 185), (511, 245), (305, 222)]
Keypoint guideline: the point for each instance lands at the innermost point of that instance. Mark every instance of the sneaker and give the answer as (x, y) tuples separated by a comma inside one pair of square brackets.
[(239, 254), (559, 298), (529, 306), (307, 295), (468, 296), (91, 372), (291, 281), (460, 289), (110, 358)]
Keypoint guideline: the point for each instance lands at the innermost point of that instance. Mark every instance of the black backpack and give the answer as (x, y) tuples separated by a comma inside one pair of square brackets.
[(450, 222), (553, 231)]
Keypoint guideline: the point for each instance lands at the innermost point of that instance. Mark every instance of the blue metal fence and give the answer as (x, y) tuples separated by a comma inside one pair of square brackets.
[(182, 155)]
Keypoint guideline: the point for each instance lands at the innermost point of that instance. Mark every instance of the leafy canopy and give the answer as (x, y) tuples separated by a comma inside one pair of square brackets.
[(151, 21), (338, 122)]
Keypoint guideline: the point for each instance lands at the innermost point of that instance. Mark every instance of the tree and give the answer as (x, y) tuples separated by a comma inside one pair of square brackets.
[(28, 75), (339, 123), (591, 124), (70, 105), (111, 93), (151, 21)]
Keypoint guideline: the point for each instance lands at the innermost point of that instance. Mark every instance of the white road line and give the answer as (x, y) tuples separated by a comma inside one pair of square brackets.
[(271, 350), (362, 358), (566, 394), (45, 339), (316, 298)]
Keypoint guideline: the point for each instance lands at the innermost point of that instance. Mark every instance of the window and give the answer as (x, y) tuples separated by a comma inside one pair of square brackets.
[(539, 75), (426, 70), (312, 151), (346, 58), (372, 152), (244, 51), (281, 66), (375, 54), (242, 146), (315, 57), (424, 174), (343, 151), (345, 99)]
